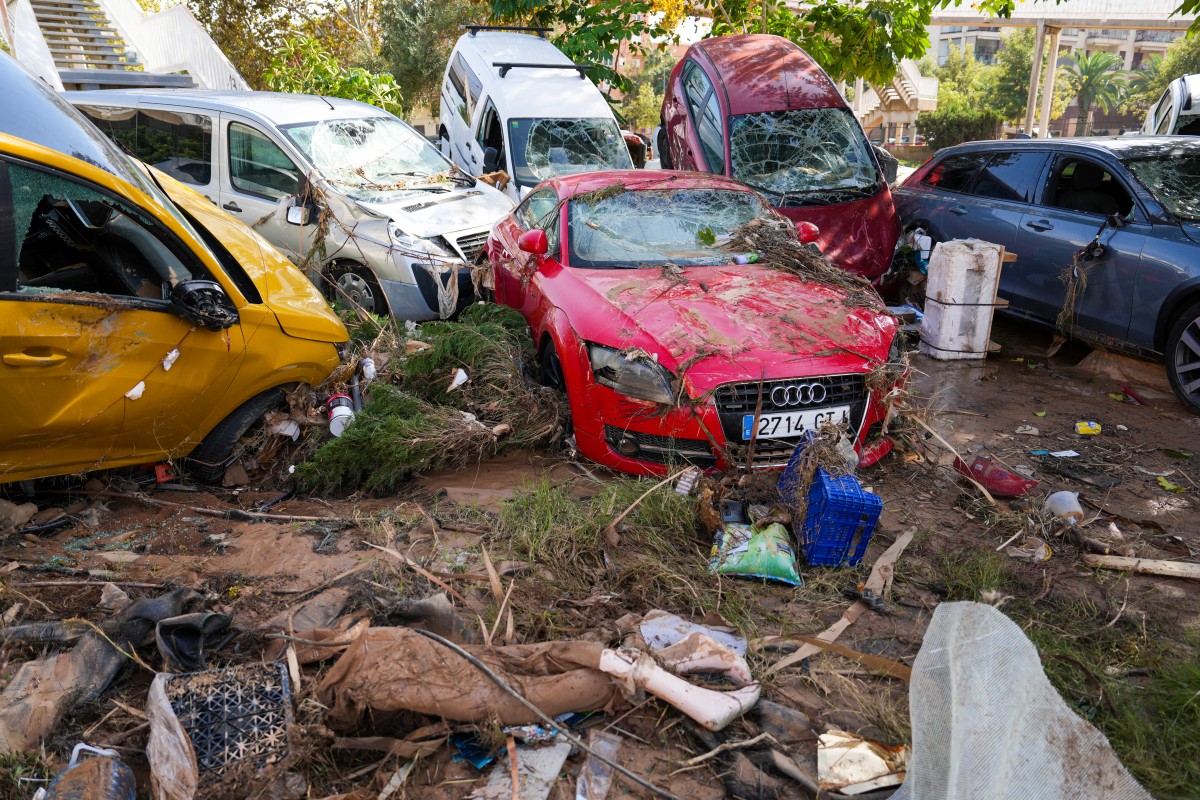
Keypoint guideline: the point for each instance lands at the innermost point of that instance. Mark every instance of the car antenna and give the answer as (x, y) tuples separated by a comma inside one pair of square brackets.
[(326, 99)]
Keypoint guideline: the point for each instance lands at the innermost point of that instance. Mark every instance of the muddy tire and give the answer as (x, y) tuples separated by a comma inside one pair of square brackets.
[(211, 457), (551, 368), (1183, 357), (664, 152), (357, 285)]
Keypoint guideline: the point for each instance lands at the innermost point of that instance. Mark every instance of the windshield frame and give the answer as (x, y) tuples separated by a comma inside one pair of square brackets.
[(385, 192), (720, 257), (1129, 162), (520, 126), (738, 122)]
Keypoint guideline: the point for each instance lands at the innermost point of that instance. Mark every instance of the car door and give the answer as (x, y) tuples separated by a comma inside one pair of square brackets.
[(258, 173), (461, 90), (941, 203), (180, 143), (514, 268), (94, 363), (489, 133), (1072, 212)]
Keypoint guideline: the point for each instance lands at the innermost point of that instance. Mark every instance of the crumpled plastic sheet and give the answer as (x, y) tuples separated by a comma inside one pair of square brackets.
[(988, 725), (800, 151), (566, 146)]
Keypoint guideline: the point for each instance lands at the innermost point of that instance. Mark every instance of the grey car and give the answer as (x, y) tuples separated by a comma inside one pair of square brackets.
[(1111, 223)]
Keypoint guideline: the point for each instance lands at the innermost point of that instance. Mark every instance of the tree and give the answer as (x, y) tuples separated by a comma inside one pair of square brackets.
[(961, 79), (1097, 81), (1008, 91), (643, 109), (302, 65), (418, 36)]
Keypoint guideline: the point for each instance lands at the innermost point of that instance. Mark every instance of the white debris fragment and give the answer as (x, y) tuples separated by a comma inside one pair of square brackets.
[(460, 377), (169, 359), (136, 392), (287, 427)]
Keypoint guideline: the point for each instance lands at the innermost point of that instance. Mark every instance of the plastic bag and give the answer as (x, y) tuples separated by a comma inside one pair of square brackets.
[(742, 550)]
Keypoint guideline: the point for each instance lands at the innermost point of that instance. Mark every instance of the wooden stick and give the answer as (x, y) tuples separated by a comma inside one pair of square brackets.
[(47, 584), (610, 533), (950, 447), (228, 513), (725, 747), (1144, 566)]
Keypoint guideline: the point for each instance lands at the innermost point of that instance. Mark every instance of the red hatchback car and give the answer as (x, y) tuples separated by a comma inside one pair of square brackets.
[(663, 341), (758, 109)]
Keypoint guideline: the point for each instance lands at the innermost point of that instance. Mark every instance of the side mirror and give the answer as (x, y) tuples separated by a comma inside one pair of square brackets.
[(299, 215), (535, 242), (1116, 221), (491, 159), (807, 232), (204, 304)]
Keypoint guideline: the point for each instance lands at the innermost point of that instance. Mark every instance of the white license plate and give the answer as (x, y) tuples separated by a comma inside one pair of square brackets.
[(793, 423)]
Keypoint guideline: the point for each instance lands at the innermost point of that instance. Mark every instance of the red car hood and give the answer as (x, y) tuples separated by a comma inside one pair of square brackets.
[(727, 323)]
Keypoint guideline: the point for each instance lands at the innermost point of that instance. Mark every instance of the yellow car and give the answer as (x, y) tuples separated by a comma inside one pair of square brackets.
[(137, 321)]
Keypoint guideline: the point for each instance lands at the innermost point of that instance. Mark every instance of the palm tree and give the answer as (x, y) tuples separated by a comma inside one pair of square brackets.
[(1147, 76), (1097, 81)]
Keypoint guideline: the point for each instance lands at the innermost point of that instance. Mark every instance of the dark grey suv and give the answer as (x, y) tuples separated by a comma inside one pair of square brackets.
[(1112, 223)]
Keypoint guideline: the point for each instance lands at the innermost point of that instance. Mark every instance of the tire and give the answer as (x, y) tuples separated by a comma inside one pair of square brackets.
[(664, 152), (551, 367), (1183, 357), (210, 458), (357, 285)]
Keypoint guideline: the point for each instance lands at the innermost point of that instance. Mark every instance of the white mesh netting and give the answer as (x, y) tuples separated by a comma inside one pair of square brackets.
[(988, 725)]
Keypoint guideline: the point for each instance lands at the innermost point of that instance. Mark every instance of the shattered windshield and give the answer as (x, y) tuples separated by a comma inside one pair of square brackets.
[(813, 156), (1174, 179), (545, 148), (373, 158), (685, 227)]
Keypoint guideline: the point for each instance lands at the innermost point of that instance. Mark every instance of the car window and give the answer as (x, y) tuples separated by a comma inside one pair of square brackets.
[(546, 147), (1010, 176), (179, 144), (533, 209), (706, 116), (72, 236), (1164, 108), (491, 132), (1083, 185), (1174, 180), (258, 166), (458, 84), (955, 173)]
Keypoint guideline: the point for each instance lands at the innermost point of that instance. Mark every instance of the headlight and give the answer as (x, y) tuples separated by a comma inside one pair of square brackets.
[(415, 243), (897, 351), (633, 377)]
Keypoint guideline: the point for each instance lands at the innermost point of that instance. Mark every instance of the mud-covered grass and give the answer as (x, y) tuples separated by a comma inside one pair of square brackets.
[(23, 773)]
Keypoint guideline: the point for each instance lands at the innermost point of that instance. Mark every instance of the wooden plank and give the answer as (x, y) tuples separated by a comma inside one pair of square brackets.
[(1009, 258), (1145, 566)]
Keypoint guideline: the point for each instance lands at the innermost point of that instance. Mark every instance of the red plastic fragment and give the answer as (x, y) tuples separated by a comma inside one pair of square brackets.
[(996, 480)]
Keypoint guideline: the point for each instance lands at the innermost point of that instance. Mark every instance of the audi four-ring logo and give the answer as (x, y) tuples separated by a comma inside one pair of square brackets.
[(799, 394)]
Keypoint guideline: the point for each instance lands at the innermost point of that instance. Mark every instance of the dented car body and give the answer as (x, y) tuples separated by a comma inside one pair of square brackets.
[(758, 109), (132, 325), (665, 344)]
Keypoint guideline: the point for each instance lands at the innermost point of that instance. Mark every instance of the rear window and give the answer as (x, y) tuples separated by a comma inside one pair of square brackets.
[(1010, 176), (955, 173)]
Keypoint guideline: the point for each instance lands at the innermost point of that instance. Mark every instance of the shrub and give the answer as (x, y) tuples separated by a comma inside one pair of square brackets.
[(945, 128)]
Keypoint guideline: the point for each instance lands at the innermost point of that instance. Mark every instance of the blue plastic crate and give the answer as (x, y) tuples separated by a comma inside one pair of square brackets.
[(840, 520), (789, 479)]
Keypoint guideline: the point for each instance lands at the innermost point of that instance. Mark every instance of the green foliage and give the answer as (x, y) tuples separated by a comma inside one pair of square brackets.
[(948, 127), (19, 770), (1008, 79), (960, 80), (247, 31), (303, 65), (1097, 80), (417, 37), (1147, 85), (644, 108)]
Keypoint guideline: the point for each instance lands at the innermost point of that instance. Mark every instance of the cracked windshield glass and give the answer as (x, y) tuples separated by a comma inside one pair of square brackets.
[(372, 158), (806, 156), (1174, 180), (630, 230), (544, 148)]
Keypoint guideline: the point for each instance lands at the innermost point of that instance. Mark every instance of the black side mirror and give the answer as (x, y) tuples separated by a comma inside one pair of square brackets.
[(491, 159), (1116, 221), (204, 303)]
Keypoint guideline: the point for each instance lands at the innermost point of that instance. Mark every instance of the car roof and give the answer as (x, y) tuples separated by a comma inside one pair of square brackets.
[(1191, 87), (639, 179), (43, 117), (1121, 147), (526, 92), (762, 72), (277, 108)]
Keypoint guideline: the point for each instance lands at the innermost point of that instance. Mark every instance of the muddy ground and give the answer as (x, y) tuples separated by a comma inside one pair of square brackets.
[(1102, 634)]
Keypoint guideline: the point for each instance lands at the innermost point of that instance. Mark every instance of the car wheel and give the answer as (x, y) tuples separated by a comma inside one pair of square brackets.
[(357, 285), (552, 370), (664, 152), (211, 457), (1183, 357)]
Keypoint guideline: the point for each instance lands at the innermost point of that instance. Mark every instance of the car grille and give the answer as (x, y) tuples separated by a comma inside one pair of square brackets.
[(662, 449), (469, 245), (767, 452), (742, 398)]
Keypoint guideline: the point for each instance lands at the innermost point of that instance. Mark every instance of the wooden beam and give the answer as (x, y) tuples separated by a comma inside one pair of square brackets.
[(1145, 566)]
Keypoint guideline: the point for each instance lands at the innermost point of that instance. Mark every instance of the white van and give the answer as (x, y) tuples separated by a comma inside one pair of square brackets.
[(1178, 110), (362, 202), (513, 102)]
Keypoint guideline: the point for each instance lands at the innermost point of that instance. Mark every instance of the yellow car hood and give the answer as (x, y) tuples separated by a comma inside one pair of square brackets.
[(301, 310)]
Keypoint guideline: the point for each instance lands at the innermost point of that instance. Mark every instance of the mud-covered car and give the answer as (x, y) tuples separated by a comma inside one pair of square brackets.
[(138, 322), (673, 348)]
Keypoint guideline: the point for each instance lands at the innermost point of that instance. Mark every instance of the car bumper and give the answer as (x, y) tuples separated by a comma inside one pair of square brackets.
[(641, 438), (418, 301)]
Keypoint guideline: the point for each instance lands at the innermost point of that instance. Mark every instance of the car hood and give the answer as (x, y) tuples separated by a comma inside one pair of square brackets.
[(729, 323), (300, 309), (426, 214)]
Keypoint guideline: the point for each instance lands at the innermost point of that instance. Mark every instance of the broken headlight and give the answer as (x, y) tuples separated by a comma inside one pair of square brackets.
[(637, 376), (897, 352), (417, 245)]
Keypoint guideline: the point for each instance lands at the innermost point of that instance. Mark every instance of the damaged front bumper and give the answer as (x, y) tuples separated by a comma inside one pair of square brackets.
[(421, 299)]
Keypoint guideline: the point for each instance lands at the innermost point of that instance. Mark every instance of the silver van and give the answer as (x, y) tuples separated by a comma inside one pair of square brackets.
[(370, 210)]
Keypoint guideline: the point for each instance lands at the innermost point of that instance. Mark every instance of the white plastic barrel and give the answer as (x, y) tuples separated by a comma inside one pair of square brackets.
[(960, 295)]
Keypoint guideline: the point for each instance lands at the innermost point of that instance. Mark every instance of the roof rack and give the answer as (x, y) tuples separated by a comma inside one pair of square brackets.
[(474, 29), (505, 66)]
